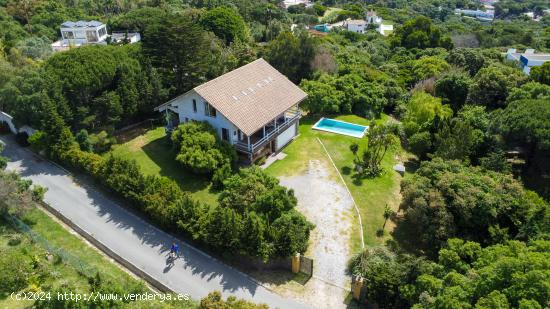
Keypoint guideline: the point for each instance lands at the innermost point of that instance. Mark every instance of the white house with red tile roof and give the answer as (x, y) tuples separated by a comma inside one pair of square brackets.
[(254, 107)]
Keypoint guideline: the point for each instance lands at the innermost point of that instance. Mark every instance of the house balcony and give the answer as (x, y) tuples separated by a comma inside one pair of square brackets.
[(257, 141)]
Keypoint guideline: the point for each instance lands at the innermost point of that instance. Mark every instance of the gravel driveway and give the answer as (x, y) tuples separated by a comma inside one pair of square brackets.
[(327, 204)]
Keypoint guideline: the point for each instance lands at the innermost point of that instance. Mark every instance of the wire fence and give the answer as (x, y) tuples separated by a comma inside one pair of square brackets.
[(82, 267)]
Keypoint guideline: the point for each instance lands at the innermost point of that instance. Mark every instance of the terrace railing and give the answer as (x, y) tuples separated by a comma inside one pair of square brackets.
[(290, 118)]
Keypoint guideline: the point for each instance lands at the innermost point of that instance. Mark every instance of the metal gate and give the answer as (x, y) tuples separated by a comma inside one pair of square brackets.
[(306, 266)]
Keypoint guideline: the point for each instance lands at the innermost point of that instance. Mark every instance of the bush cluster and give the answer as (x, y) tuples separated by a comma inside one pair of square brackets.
[(264, 225), (201, 150)]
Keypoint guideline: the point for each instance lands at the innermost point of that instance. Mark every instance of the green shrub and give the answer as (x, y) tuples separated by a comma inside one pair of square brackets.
[(220, 175), (101, 142), (420, 144), (290, 233), (38, 192), (200, 149), (15, 240), (261, 161), (215, 300), (3, 162), (15, 270), (83, 139), (38, 141)]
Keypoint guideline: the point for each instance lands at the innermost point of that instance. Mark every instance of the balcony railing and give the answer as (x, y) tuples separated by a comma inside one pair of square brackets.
[(290, 118)]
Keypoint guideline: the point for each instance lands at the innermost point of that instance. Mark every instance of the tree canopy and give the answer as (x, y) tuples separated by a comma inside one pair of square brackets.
[(420, 32), (491, 85), (200, 149), (446, 199), (464, 275), (226, 23), (292, 55)]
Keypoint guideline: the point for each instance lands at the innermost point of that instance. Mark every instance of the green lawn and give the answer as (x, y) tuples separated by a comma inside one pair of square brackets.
[(64, 275), (371, 195), (154, 155)]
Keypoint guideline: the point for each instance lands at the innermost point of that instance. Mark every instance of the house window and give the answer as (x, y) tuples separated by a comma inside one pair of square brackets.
[(194, 105), (68, 35), (225, 134), (209, 110), (91, 36)]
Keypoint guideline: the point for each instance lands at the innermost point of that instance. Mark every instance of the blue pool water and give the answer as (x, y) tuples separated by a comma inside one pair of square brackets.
[(340, 127)]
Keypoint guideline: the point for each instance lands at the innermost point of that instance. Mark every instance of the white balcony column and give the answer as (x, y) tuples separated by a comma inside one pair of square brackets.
[(264, 132), (248, 142)]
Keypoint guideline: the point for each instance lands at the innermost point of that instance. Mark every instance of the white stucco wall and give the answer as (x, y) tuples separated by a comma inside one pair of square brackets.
[(185, 110), (358, 28), (79, 34), (9, 120)]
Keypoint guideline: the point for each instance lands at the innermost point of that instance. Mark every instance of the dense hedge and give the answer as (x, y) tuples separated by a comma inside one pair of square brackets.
[(247, 231)]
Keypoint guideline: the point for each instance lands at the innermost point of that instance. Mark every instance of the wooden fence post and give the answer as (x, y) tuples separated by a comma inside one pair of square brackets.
[(296, 263)]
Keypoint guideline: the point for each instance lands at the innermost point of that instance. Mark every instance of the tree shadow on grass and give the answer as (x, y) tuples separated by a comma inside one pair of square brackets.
[(280, 277), (346, 170), (411, 165), (161, 152), (357, 179)]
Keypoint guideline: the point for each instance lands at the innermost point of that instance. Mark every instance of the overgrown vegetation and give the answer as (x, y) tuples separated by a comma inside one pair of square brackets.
[(476, 123)]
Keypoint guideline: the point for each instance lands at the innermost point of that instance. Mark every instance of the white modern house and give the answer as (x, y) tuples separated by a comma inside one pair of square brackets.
[(287, 3), (255, 108), (76, 34), (527, 59), (371, 18), (487, 15), (125, 37), (356, 25)]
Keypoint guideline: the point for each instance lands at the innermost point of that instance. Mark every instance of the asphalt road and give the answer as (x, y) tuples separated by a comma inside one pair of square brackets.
[(194, 273)]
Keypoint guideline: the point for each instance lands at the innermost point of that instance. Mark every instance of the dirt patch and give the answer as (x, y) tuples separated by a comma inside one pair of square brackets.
[(326, 204)]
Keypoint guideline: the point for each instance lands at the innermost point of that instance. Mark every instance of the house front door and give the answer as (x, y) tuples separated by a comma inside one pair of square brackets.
[(225, 134)]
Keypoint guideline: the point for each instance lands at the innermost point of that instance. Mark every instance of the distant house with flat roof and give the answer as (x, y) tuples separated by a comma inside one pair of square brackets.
[(487, 15), (527, 59), (82, 32), (356, 25), (287, 3)]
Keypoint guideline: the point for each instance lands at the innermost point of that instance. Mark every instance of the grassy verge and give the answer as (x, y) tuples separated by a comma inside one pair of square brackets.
[(62, 275), (154, 155), (371, 195)]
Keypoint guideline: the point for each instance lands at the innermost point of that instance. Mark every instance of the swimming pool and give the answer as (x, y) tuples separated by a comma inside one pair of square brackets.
[(341, 127)]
